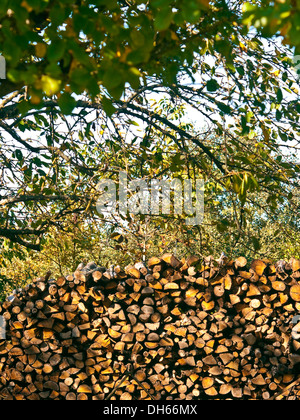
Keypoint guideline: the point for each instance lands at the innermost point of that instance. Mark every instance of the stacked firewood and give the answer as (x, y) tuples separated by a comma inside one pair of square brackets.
[(169, 329)]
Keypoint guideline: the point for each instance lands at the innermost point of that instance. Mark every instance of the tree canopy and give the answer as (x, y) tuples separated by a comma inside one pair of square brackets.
[(56, 46)]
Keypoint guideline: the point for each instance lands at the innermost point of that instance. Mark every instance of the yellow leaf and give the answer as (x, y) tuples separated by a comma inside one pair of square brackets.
[(35, 99), (174, 36), (285, 14)]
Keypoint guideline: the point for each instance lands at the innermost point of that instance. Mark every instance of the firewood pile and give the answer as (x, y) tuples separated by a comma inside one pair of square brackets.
[(167, 330)]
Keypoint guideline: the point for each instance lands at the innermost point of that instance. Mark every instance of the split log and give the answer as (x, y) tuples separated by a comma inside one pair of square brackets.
[(171, 329)]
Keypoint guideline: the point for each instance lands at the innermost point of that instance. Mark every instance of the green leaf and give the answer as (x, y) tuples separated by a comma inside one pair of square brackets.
[(278, 115), (112, 78), (279, 95), (56, 50), (222, 225), (163, 19), (256, 243), (131, 122), (19, 154), (224, 108)]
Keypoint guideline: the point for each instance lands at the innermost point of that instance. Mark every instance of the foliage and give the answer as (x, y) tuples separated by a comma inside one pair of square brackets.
[(162, 90), (277, 238)]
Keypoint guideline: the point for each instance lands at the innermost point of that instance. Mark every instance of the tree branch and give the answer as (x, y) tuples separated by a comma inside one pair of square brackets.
[(14, 236), (15, 135), (166, 122)]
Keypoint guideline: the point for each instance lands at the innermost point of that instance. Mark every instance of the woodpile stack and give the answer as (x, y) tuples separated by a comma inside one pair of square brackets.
[(169, 330)]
